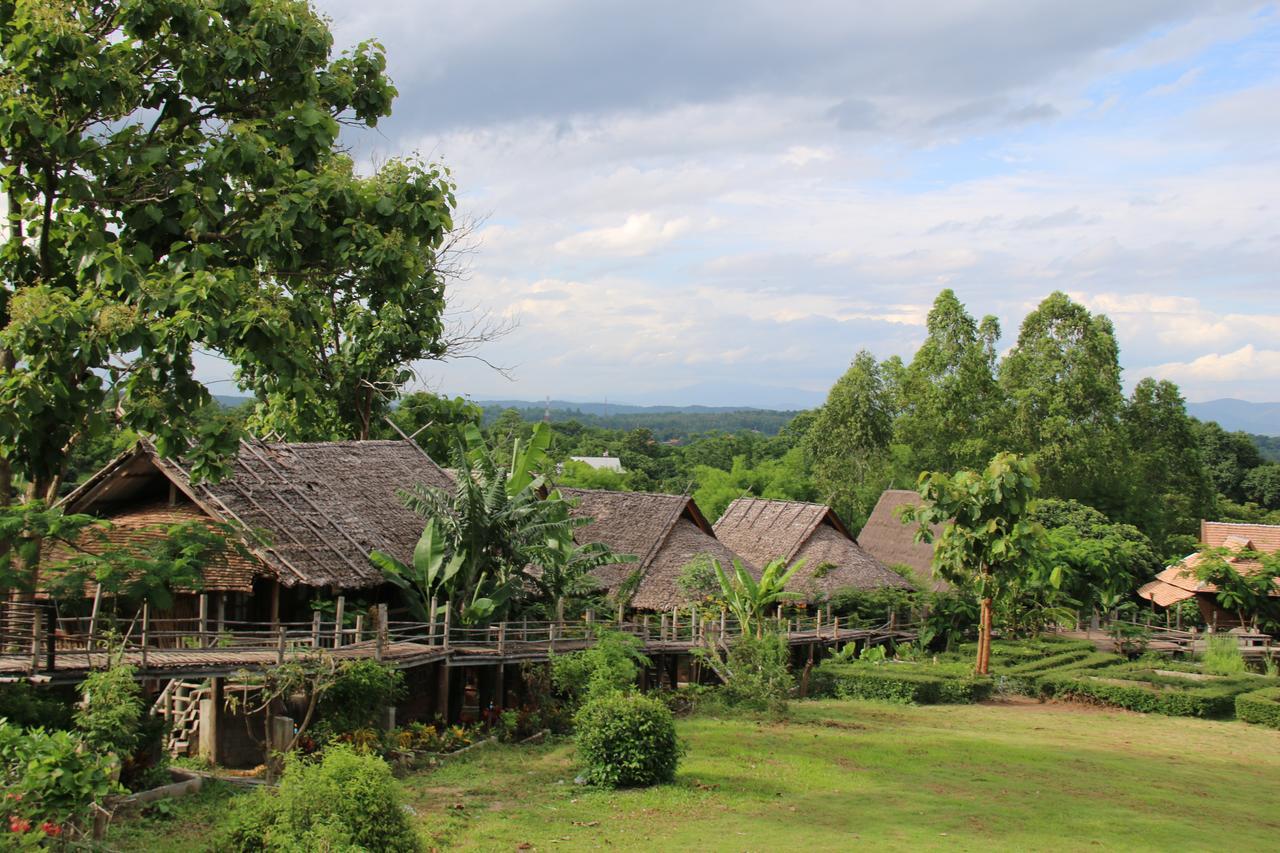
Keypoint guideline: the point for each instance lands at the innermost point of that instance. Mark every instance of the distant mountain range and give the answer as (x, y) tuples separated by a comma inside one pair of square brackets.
[(1256, 418), (1232, 415)]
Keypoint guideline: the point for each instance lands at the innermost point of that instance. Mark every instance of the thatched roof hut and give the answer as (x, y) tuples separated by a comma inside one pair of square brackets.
[(320, 507), (893, 543), (664, 532), (764, 530), (1179, 582)]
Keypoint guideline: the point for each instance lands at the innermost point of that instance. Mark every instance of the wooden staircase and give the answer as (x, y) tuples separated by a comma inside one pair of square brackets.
[(179, 704)]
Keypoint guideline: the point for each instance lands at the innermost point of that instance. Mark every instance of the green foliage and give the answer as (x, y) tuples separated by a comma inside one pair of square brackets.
[(1260, 706), (903, 683), (627, 741), (428, 576), (345, 798), (1250, 595), (864, 606), (848, 442), (757, 674), (697, 580), (433, 420), (47, 776), (360, 694), (1146, 691), (748, 599), (24, 704), (1222, 656), (110, 717), (784, 478), (1100, 562), (611, 665)]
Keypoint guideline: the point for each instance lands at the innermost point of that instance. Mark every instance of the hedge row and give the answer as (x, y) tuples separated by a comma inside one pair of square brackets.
[(897, 683), (1260, 706), (1212, 699), (1029, 679)]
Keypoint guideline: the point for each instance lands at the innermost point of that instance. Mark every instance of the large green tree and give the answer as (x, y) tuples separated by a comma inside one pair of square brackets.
[(172, 183), (1169, 485), (848, 442), (950, 398), (988, 542), (1062, 378)]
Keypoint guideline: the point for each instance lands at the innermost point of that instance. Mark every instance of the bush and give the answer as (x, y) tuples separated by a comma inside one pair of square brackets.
[(627, 741), (359, 697), (613, 664), (24, 704), (901, 683), (48, 779), (1223, 656), (110, 718), (757, 673), (1260, 706), (1149, 692), (345, 801)]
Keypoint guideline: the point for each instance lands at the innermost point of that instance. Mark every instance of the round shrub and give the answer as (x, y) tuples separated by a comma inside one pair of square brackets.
[(346, 801), (627, 741)]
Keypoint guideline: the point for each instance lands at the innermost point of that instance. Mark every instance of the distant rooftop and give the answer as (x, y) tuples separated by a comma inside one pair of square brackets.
[(605, 463)]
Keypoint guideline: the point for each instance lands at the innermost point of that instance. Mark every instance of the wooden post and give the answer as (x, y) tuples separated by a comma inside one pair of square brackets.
[(203, 604), (380, 614), (315, 629), (445, 635), (337, 622), (359, 627), (442, 687), (146, 620), (222, 613), (93, 615), (502, 638), (36, 614), (275, 605), (662, 635), (644, 626), (51, 640), (210, 714), (280, 644), (675, 624)]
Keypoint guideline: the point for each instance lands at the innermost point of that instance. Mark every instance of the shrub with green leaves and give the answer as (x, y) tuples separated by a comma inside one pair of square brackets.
[(345, 801), (361, 693), (611, 665), (110, 716), (48, 778), (1260, 706), (901, 683), (25, 704), (627, 741), (1142, 689), (1223, 656), (757, 673)]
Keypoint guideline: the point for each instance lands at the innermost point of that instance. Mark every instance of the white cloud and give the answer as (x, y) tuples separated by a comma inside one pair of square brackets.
[(1246, 363), (640, 234)]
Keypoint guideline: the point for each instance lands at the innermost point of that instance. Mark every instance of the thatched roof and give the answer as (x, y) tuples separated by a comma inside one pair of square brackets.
[(893, 543), (664, 532), (1179, 582), (322, 507), (764, 530), (143, 525)]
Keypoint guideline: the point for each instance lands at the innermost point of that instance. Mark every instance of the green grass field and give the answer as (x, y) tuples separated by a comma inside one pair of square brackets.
[(836, 775)]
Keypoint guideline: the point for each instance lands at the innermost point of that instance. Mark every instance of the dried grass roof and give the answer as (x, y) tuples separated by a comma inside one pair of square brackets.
[(893, 543), (763, 530), (322, 506), (664, 532), (145, 524), (1179, 582)]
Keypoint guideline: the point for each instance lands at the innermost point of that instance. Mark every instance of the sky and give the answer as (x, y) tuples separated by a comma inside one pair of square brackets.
[(722, 202)]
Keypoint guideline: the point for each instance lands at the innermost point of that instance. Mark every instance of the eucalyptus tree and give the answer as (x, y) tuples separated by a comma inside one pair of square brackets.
[(988, 542), (172, 183), (1062, 378)]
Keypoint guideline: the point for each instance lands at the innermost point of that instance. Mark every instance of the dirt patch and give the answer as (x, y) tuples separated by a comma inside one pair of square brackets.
[(841, 724), (1026, 703)]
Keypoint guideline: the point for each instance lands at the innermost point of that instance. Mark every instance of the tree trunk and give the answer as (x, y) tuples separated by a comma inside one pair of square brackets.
[(984, 638)]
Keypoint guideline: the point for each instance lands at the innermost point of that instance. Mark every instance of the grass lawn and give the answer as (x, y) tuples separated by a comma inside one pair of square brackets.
[(1013, 776)]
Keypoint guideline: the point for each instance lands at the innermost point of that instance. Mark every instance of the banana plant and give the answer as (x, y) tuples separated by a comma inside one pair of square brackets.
[(430, 576), (749, 599)]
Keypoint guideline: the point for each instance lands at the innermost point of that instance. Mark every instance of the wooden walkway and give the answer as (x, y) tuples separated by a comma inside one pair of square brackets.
[(165, 651)]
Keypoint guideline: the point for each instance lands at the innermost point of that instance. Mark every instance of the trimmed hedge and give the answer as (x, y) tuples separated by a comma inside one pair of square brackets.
[(1148, 692), (1260, 706), (900, 683)]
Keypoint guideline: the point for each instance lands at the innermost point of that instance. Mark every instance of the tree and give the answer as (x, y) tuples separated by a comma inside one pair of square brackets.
[(1251, 593), (1229, 457), (848, 441), (1169, 487), (1101, 562), (988, 540), (433, 420), (1063, 382), (950, 397), (172, 183), (1262, 486), (749, 600)]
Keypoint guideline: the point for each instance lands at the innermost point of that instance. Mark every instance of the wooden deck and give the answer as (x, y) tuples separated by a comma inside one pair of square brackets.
[(165, 651)]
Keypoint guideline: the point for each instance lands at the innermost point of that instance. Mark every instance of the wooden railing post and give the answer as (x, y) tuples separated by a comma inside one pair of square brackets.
[(502, 638), (280, 644), (337, 622), (51, 640), (379, 616), (445, 636), (359, 634), (315, 629), (203, 603), (146, 621), (35, 639)]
